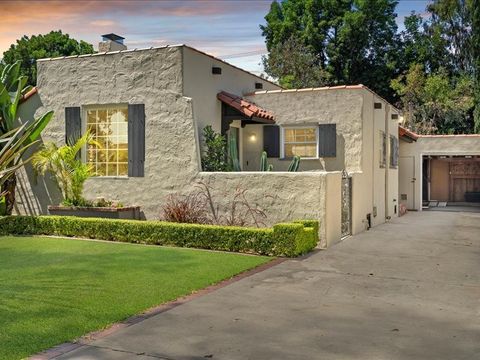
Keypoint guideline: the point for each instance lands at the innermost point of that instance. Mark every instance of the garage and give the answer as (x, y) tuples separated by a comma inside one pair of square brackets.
[(451, 179), (439, 171)]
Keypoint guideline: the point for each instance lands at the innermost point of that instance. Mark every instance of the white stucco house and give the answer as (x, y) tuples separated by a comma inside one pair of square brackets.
[(149, 107)]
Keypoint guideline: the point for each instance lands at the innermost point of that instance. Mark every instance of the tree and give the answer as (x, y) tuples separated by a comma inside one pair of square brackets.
[(295, 65), (349, 41), (453, 19), (69, 171), (436, 103), (476, 60), (12, 87), (28, 49)]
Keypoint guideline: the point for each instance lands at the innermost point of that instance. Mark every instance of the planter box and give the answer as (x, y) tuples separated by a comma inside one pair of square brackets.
[(129, 212)]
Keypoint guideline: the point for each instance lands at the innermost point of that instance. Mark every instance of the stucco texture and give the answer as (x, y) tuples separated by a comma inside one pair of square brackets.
[(153, 78), (313, 107)]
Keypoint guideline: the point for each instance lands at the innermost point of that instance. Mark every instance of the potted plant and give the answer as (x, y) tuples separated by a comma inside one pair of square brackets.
[(70, 174)]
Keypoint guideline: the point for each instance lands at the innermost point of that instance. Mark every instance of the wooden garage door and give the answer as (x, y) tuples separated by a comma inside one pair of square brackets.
[(464, 177)]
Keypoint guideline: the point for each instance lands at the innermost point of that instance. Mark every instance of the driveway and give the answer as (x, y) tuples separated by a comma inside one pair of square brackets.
[(409, 289)]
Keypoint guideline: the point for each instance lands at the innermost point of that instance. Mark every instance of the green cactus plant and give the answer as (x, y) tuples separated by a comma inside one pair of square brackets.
[(270, 167), (293, 167), (263, 162), (233, 153)]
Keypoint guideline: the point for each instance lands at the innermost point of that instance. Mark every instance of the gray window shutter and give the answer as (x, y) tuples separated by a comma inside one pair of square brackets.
[(327, 140), (271, 140), (73, 125), (136, 140)]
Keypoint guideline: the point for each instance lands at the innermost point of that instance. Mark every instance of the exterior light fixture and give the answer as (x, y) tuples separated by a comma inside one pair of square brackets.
[(253, 137)]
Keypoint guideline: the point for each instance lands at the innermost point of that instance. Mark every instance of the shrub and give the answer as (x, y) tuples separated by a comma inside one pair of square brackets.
[(289, 239), (214, 157), (185, 209)]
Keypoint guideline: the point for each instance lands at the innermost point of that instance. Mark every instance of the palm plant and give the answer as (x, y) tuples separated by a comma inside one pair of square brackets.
[(68, 170), (12, 87)]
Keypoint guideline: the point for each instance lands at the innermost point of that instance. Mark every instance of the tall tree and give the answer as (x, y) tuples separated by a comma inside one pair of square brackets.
[(476, 60), (54, 44), (352, 41), (453, 18)]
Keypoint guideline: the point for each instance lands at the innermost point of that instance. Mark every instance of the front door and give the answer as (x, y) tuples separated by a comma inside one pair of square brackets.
[(406, 181)]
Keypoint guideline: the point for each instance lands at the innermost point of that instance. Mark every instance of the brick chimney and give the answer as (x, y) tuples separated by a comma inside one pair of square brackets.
[(111, 42)]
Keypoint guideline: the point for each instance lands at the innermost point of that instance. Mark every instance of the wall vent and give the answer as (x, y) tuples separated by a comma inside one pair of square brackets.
[(258, 85), (216, 70), (394, 116), (377, 105)]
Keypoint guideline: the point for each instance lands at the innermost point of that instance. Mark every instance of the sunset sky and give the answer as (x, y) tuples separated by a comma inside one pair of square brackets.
[(228, 29)]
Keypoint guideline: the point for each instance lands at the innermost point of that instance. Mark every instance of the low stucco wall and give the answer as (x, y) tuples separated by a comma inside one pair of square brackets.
[(285, 196)]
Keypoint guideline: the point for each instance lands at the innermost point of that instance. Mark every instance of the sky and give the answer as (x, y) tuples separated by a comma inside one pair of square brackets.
[(228, 29)]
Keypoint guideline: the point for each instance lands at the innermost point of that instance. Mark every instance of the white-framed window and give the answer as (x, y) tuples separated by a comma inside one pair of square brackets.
[(109, 127), (299, 141)]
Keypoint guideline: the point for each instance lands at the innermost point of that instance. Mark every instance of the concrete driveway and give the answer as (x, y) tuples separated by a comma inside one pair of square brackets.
[(409, 289)]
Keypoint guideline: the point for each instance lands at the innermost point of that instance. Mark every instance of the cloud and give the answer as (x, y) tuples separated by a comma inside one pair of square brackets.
[(139, 21), (103, 22)]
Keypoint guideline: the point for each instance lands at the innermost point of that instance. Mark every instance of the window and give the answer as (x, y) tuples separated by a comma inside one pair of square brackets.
[(300, 141), (383, 149), (109, 126), (393, 152)]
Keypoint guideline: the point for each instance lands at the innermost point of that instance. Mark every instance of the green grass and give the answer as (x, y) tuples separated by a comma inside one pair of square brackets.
[(55, 290)]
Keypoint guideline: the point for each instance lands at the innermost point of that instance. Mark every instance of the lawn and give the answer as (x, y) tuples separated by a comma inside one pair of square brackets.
[(55, 290)]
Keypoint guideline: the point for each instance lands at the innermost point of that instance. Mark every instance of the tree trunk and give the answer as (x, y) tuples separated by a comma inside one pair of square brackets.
[(9, 188)]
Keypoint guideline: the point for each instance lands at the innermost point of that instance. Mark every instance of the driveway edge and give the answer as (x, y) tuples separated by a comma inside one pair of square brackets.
[(135, 319)]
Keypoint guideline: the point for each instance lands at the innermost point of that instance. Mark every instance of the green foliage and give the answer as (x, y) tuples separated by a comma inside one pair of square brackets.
[(264, 166), (64, 164), (233, 153), (332, 42), (28, 49), (291, 239), (295, 65), (476, 61), (264, 162), (214, 157), (436, 103), (293, 167), (57, 290)]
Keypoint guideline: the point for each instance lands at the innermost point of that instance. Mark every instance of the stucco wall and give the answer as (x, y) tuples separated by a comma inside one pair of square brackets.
[(203, 86), (436, 145), (286, 196), (152, 77), (306, 107)]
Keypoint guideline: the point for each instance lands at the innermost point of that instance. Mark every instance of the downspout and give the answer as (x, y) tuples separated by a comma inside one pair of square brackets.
[(387, 163)]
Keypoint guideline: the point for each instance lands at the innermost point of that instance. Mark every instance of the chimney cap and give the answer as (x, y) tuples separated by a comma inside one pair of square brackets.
[(113, 37)]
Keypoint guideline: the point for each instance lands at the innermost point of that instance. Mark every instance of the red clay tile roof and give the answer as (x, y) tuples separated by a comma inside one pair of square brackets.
[(28, 95), (246, 107), (407, 133)]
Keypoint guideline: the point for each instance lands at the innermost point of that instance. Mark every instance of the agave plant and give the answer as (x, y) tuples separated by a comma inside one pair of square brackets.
[(66, 167), (12, 87)]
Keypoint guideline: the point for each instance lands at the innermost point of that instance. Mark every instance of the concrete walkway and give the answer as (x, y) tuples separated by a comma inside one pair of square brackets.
[(409, 289)]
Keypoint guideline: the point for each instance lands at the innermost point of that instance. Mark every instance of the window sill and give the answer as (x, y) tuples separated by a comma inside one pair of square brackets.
[(110, 177), (302, 158)]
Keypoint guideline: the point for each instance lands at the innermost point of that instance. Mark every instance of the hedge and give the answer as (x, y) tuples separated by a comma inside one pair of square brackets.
[(286, 239)]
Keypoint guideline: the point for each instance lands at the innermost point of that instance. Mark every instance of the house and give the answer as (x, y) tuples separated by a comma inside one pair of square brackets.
[(149, 107), (438, 169)]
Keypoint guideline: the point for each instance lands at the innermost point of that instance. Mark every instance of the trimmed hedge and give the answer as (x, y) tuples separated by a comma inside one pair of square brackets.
[(288, 239)]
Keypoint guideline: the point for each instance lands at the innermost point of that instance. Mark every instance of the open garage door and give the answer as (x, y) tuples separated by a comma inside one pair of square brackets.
[(453, 179)]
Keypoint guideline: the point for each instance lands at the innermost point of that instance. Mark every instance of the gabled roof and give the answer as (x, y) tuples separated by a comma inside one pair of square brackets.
[(247, 108)]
